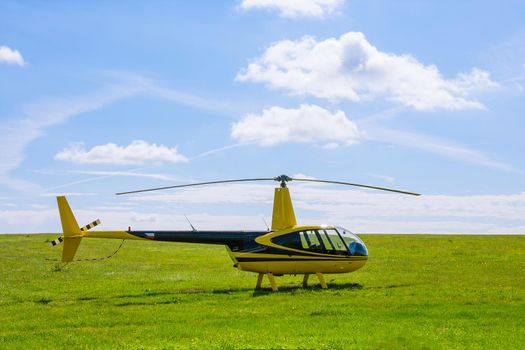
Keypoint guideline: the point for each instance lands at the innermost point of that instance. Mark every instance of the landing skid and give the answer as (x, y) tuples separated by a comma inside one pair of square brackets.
[(271, 278)]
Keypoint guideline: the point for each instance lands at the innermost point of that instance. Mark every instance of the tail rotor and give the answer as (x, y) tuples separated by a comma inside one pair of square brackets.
[(72, 233)]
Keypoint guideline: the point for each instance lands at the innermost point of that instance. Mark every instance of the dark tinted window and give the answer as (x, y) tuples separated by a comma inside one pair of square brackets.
[(290, 240)]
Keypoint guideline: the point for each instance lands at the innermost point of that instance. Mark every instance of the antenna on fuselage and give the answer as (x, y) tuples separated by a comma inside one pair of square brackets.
[(265, 223), (189, 222)]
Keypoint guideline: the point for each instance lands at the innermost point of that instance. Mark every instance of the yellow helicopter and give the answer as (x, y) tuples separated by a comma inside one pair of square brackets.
[(285, 249)]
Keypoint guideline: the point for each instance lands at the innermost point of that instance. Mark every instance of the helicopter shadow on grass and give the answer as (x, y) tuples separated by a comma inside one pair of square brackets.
[(268, 290), (127, 299), (316, 288), (149, 297), (312, 288)]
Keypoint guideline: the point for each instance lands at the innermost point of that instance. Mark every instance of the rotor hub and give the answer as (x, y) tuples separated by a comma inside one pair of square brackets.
[(283, 179)]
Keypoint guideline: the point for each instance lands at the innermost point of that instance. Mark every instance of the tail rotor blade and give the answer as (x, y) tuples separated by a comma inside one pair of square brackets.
[(56, 241), (90, 225)]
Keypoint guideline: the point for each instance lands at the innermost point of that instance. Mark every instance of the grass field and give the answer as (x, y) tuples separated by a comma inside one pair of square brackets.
[(437, 292)]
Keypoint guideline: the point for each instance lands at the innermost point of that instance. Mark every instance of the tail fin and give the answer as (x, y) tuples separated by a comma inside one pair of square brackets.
[(72, 233), (283, 213)]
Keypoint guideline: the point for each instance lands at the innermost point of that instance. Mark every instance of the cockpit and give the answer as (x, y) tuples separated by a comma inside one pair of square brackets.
[(326, 240), (355, 245)]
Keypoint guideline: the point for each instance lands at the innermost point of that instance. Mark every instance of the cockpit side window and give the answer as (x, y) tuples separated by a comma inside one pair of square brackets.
[(310, 241), (336, 241), (304, 240), (290, 240), (325, 240)]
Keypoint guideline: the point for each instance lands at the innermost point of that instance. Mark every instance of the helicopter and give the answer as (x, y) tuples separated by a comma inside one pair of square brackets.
[(286, 248)]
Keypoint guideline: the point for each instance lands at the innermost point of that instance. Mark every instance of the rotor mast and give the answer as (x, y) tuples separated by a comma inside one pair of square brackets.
[(283, 215)]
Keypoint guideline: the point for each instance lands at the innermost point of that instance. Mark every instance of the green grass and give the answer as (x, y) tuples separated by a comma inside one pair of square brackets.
[(436, 292)]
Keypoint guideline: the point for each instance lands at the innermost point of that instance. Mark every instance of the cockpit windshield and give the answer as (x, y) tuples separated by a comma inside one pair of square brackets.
[(348, 236), (355, 245)]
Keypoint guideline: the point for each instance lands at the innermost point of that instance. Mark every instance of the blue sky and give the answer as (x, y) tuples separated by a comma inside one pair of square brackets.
[(427, 96)]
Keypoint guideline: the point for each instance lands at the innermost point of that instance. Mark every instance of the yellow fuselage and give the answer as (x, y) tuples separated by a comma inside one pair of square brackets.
[(290, 265), (279, 259)]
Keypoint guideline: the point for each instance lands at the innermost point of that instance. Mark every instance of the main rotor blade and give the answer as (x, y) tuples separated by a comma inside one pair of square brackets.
[(358, 185), (196, 184)]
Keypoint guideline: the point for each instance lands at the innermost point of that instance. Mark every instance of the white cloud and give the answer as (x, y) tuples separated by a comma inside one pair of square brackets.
[(362, 211), (295, 8), (29, 220), (385, 178), (39, 221), (351, 68), (99, 175), (10, 56), (137, 152), (366, 211), (219, 149), (69, 194), (19, 131), (36, 118), (213, 194), (436, 146), (308, 124), (369, 126), (104, 173), (39, 206), (303, 176), (345, 204)]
